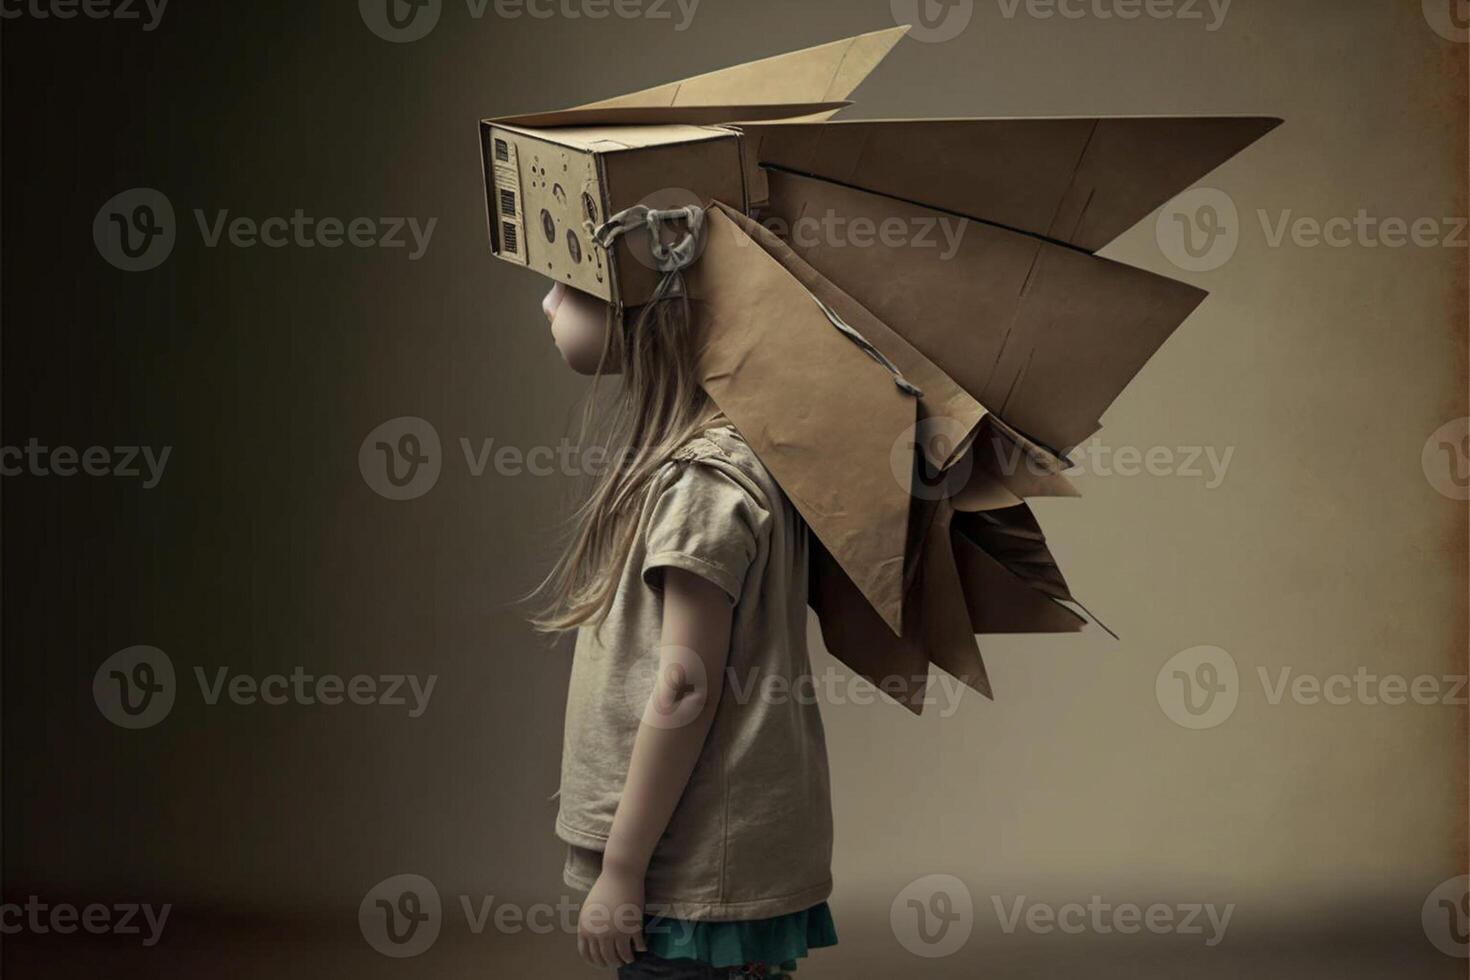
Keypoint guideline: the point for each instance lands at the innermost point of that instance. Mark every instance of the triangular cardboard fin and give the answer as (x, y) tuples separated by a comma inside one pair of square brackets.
[(1079, 182), (825, 73), (1000, 602), (937, 623), (763, 332)]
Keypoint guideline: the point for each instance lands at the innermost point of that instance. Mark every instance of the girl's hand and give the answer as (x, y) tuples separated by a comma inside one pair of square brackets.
[(610, 925)]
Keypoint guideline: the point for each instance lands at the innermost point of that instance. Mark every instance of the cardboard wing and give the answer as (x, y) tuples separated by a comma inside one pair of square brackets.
[(825, 73), (823, 416), (892, 580), (1078, 182), (1044, 335)]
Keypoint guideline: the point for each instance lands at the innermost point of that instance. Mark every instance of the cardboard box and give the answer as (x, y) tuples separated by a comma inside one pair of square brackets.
[(548, 190)]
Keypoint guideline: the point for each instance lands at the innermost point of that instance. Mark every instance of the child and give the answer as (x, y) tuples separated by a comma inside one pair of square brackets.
[(694, 801)]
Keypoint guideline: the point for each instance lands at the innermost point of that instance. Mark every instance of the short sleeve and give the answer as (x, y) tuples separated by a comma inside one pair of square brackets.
[(704, 521)]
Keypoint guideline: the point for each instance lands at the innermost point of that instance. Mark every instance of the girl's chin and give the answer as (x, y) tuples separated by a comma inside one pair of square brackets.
[(584, 361), (583, 366)]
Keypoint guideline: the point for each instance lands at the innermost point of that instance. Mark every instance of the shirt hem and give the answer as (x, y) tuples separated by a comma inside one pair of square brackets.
[(704, 911), (718, 575)]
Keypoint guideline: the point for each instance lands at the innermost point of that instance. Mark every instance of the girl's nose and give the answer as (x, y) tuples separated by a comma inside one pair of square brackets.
[(553, 300)]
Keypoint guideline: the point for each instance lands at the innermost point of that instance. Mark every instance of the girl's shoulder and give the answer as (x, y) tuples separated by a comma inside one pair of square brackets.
[(722, 447)]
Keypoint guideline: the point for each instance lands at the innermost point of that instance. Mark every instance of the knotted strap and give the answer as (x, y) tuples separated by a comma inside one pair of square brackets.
[(670, 259)]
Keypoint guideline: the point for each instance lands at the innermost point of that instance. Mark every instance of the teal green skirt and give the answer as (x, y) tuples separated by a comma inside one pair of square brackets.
[(776, 942)]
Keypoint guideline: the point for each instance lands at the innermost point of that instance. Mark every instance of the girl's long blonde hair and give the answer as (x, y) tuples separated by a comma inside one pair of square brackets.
[(658, 407)]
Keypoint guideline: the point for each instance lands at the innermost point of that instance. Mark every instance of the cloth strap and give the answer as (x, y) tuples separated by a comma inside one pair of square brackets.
[(670, 259), (866, 346)]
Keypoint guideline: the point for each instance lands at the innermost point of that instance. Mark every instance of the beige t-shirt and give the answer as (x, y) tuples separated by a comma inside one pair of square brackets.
[(752, 835)]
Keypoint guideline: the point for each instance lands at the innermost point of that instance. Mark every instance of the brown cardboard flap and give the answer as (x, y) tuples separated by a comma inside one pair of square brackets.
[(1043, 335), (1079, 182), (818, 74), (816, 410), (937, 623), (948, 632), (942, 397), (855, 634), (1001, 602), (687, 115), (1006, 466)]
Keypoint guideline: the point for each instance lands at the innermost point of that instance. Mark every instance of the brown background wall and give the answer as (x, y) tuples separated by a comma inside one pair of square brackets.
[(1324, 548)]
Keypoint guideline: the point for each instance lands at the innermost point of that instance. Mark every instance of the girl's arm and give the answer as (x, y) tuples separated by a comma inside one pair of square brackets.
[(693, 649)]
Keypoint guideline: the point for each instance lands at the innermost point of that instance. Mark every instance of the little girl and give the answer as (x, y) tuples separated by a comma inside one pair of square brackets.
[(694, 786)]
